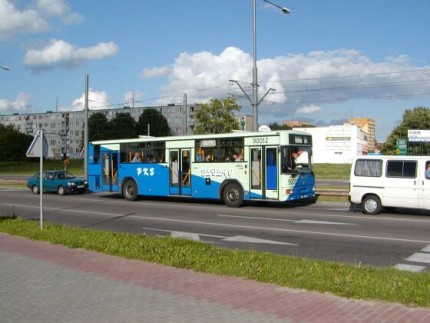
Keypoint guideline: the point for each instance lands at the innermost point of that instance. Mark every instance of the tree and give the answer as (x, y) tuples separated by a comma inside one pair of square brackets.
[(277, 126), (158, 125), (123, 126), (417, 118), (217, 117), (13, 143), (98, 127)]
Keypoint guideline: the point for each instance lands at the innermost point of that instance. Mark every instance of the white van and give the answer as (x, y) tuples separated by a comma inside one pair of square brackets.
[(390, 181)]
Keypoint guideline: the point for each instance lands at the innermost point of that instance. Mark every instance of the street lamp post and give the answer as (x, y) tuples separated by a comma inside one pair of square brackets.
[(255, 102), (86, 155)]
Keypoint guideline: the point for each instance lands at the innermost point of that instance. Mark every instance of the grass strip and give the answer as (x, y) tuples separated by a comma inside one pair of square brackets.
[(344, 280)]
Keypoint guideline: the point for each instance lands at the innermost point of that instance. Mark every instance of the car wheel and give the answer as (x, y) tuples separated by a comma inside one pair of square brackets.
[(61, 190), (129, 190), (371, 205), (35, 189), (233, 195)]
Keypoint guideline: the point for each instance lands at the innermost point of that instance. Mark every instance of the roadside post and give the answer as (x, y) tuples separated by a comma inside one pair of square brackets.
[(39, 148)]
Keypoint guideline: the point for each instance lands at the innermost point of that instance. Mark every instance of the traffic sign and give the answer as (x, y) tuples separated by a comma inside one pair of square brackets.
[(34, 148), (402, 147)]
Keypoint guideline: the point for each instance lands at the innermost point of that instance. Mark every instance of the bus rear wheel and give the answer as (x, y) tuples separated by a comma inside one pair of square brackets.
[(233, 195), (129, 190)]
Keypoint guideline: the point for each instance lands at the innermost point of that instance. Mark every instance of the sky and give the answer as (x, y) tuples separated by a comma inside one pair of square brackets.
[(326, 61)]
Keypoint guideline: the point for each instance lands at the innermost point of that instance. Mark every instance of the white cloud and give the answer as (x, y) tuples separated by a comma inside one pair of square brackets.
[(308, 109), (303, 83), (34, 19), (148, 73), (14, 22), (20, 104), (97, 100), (59, 9), (131, 97), (59, 53)]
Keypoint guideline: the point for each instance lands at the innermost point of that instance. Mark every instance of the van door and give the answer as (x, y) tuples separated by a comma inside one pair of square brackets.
[(424, 184), (401, 184)]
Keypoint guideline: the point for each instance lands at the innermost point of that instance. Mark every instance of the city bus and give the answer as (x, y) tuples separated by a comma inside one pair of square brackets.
[(233, 167)]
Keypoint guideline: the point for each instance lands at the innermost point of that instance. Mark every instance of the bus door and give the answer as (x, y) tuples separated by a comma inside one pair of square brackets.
[(264, 172), (110, 171), (180, 172)]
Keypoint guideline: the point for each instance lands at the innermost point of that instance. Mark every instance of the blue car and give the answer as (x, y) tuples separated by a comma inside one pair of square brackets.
[(60, 181)]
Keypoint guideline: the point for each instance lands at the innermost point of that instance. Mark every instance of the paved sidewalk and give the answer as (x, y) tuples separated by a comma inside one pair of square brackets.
[(41, 282)]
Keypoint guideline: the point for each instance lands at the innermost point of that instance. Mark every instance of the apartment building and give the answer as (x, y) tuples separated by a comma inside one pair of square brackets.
[(368, 126), (65, 129)]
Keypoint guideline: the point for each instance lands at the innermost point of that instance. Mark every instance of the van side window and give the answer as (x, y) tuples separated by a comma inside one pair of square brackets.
[(401, 168), (427, 171), (369, 168)]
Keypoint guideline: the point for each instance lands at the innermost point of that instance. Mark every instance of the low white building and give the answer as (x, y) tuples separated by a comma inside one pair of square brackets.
[(337, 144)]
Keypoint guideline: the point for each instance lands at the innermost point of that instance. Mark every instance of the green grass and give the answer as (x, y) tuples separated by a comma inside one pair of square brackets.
[(332, 171), (345, 280), (322, 171)]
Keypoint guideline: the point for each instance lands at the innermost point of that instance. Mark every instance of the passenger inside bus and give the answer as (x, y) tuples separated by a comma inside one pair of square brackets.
[(136, 158)]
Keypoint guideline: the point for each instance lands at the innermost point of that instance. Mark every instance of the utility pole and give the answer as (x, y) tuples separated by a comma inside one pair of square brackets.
[(185, 116), (86, 128)]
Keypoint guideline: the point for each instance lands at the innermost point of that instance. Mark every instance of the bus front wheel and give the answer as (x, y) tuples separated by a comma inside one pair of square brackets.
[(129, 190), (233, 195), (371, 205)]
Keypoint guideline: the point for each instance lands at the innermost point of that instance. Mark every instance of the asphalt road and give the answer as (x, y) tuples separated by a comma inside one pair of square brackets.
[(319, 231)]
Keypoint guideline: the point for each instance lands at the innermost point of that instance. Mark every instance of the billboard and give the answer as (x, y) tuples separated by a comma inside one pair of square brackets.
[(419, 135)]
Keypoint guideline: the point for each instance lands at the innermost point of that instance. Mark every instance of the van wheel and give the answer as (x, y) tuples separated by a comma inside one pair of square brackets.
[(129, 190), (371, 205), (233, 195)]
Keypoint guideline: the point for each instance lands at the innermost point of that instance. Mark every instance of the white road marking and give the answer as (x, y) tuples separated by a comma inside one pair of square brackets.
[(284, 230), (185, 235), (322, 222), (284, 220), (200, 234), (196, 237), (256, 240), (426, 249), (411, 268), (419, 257)]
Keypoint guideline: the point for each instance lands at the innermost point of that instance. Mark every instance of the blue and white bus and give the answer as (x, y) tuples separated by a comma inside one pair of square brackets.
[(233, 167)]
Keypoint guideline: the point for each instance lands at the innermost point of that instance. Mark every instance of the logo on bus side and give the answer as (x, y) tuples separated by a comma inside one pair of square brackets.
[(145, 171), (217, 172)]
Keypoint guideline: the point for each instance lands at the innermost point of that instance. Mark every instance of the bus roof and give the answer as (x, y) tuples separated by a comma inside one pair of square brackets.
[(203, 136)]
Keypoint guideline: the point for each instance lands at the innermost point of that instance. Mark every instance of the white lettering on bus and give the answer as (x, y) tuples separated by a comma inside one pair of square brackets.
[(216, 172), (145, 171)]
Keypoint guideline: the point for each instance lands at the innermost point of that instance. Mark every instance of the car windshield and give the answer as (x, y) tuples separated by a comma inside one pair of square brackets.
[(64, 175)]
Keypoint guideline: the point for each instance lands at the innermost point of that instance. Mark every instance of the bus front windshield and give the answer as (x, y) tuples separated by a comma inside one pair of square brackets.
[(295, 159)]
